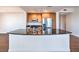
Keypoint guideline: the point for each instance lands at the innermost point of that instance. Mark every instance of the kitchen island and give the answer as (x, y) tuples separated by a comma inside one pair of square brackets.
[(20, 41)]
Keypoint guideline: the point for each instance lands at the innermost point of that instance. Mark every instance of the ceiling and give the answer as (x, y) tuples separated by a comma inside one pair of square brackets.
[(5, 9), (44, 8)]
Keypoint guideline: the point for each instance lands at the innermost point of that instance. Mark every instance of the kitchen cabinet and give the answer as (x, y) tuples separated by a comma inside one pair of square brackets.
[(40, 16), (39, 43)]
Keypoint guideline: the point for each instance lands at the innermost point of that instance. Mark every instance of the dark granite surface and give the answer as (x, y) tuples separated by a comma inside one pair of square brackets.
[(24, 32)]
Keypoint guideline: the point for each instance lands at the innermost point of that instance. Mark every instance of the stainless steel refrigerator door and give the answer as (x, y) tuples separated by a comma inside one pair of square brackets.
[(44, 25), (44, 20), (49, 26), (49, 22), (49, 31)]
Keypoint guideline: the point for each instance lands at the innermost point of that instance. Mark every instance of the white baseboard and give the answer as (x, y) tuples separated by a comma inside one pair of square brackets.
[(3, 32), (75, 34)]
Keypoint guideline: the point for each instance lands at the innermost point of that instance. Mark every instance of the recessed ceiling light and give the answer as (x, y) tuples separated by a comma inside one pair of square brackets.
[(65, 9)]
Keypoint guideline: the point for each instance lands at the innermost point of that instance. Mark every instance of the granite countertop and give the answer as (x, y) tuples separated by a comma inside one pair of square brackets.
[(24, 32)]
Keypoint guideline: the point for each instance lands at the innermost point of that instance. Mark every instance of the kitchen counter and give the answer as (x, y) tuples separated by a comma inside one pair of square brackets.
[(24, 32), (20, 41)]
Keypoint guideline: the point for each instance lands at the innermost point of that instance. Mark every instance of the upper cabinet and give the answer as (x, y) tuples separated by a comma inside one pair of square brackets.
[(34, 16)]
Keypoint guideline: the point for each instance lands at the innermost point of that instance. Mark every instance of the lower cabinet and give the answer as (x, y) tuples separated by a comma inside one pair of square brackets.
[(47, 43)]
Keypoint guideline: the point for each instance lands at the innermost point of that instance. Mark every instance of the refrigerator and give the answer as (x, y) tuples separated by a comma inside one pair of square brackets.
[(47, 25)]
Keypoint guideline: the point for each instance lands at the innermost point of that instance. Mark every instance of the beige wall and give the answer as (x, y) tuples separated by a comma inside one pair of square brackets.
[(12, 21), (63, 22), (12, 18), (72, 22)]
